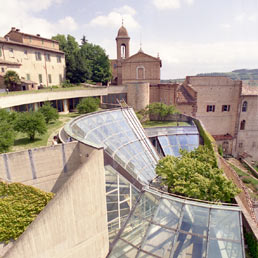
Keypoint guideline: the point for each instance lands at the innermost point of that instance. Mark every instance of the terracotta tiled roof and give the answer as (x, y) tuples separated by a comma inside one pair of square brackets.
[(11, 42), (223, 137), (183, 96), (249, 90)]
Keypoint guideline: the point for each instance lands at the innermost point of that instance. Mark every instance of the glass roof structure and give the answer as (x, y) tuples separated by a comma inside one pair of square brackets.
[(143, 221), (166, 226), (123, 138), (172, 139)]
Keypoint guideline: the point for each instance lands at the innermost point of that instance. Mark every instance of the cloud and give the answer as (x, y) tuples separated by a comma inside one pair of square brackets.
[(226, 26), (243, 17), (114, 18), (23, 14), (170, 4)]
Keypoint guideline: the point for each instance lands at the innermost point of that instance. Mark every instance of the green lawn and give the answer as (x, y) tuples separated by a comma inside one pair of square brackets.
[(248, 180), (12, 93), (149, 124), (22, 141)]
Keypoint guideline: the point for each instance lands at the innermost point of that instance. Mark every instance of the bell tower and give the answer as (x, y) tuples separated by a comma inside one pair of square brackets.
[(122, 43)]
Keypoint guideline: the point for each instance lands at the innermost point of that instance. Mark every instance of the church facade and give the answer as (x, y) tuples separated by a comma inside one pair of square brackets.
[(139, 67)]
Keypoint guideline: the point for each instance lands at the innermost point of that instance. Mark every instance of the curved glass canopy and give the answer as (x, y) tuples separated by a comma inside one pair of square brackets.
[(123, 138)]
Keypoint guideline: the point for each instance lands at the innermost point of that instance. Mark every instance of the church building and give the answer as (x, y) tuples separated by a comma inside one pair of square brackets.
[(139, 67)]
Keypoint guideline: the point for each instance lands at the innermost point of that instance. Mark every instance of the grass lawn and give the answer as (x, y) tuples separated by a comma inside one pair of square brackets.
[(248, 180), (148, 124), (22, 141)]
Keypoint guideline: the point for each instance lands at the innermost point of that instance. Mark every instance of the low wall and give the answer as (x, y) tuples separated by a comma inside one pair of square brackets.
[(74, 223), (45, 168)]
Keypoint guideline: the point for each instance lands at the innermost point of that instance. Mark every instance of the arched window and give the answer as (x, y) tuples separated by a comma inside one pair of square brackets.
[(244, 106), (123, 50), (140, 72), (242, 125)]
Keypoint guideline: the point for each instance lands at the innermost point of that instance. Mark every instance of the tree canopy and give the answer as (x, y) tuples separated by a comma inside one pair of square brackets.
[(30, 123), (88, 105), (11, 78), (161, 110), (85, 62), (195, 174), (6, 130), (49, 112)]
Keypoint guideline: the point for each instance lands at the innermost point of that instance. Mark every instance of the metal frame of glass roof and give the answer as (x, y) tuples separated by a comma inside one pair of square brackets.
[(158, 225), (166, 226)]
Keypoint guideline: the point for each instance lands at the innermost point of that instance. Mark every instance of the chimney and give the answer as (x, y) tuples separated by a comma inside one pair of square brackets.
[(38, 35), (13, 29), (17, 30)]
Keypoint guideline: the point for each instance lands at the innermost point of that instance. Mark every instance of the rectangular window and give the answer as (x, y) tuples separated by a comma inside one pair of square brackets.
[(28, 77), (60, 78), (30, 39), (210, 108), (49, 78), (0, 51), (38, 56), (48, 57), (25, 54), (40, 78), (2, 69), (11, 54), (225, 108), (42, 41), (58, 59)]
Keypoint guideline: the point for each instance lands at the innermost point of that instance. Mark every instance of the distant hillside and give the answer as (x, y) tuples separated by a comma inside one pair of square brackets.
[(249, 76)]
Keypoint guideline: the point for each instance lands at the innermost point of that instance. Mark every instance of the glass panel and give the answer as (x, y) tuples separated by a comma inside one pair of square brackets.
[(168, 213), (195, 219), (189, 246), (224, 249), (172, 139), (122, 249), (158, 241), (193, 139), (225, 224), (176, 151), (168, 151), (182, 139), (163, 140)]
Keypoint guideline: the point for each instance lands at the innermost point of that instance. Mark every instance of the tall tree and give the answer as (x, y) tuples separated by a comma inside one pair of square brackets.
[(87, 62), (11, 79)]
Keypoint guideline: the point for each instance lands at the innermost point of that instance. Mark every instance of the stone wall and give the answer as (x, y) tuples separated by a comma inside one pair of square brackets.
[(217, 91), (138, 95), (74, 223), (247, 139)]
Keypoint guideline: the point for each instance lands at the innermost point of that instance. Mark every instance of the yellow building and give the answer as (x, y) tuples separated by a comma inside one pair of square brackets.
[(37, 60)]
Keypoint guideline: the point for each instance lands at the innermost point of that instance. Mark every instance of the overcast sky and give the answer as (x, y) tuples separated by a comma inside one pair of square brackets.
[(190, 36)]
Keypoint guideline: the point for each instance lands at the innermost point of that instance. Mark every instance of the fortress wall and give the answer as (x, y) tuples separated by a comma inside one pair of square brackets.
[(46, 168), (74, 223)]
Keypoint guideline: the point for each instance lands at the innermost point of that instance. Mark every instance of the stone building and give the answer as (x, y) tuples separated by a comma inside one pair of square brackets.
[(139, 67), (37, 60)]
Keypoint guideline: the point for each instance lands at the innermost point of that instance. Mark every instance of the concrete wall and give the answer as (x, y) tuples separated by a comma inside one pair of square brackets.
[(138, 95), (74, 223), (46, 168), (217, 91), (10, 100)]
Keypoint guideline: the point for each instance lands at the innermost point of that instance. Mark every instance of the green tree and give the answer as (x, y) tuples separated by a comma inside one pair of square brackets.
[(88, 105), (6, 130), (161, 110), (11, 79), (30, 123), (87, 62), (196, 175), (49, 112)]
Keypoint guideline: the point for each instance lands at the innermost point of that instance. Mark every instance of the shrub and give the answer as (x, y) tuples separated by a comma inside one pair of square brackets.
[(19, 205), (161, 110), (195, 174), (30, 123), (88, 105), (49, 112)]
